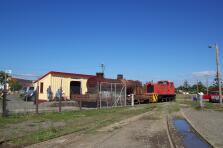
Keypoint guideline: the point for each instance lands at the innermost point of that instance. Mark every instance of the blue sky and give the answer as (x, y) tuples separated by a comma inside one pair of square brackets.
[(142, 39)]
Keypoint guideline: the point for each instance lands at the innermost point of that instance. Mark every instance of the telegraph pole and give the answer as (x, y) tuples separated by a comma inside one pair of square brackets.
[(218, 70), (102, 68), (207, 84)]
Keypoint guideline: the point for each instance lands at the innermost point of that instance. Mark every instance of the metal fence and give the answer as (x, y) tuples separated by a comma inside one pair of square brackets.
[(16, 104), (112, 94), (109, 95)]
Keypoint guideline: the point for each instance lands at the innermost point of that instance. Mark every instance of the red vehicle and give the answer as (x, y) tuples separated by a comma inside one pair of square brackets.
[(213, 96), (160, 91)]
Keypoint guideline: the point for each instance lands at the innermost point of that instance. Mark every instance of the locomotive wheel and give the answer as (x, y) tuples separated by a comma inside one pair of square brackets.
[(168, 99)]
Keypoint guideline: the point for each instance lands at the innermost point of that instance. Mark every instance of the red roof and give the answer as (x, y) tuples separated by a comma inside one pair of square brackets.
[(23, 82), (73, 75)]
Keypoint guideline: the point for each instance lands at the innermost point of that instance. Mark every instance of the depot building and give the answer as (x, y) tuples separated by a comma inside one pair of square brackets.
[(70, 83)]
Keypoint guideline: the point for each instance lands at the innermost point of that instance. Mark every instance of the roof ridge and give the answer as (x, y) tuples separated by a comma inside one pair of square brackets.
[(65, 73)]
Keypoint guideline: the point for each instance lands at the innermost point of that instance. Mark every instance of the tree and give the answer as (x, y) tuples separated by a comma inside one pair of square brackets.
[(198, 87), (215, 82), (180, 88), (201, 87), (186, 86), (15, 85), (192, 89), (2, 77)]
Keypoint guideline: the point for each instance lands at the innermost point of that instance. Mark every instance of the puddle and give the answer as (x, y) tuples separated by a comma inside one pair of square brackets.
[(190, 138)]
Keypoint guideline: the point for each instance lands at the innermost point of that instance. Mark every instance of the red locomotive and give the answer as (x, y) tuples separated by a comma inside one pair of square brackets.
[(160, 91)]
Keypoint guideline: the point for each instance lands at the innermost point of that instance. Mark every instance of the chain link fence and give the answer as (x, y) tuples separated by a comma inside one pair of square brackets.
[(108, 95), (16, 104), (112, 94)]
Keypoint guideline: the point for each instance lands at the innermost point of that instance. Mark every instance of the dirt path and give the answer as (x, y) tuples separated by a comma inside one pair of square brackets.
[(146, 131)]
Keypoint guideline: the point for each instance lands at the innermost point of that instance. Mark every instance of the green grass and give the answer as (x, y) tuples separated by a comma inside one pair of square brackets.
[(207, 106), (84, 121), (174, 108), (213, 106), (196, 104), (170, 107)]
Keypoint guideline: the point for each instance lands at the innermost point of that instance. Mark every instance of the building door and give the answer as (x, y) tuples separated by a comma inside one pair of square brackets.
[(75, 88)]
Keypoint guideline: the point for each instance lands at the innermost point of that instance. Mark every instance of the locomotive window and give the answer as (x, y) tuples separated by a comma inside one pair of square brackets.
[(160, 82), (150, 89), (163, 82)]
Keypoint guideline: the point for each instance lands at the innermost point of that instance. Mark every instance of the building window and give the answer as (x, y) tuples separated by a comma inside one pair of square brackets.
[(41, 87)]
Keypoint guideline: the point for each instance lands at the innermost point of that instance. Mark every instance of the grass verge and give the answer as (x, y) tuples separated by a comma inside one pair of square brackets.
[(34, 128), (196, 104)]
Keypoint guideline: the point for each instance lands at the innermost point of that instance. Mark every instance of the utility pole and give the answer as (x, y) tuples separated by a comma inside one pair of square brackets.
[(218, 70), (102, 68), (207, 84)]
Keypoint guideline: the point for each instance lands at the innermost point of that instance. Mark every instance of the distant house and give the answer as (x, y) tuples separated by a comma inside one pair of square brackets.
[(71, 83), (23, 82)]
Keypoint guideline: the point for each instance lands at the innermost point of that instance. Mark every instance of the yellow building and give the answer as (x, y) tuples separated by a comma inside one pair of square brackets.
[(69, 82)]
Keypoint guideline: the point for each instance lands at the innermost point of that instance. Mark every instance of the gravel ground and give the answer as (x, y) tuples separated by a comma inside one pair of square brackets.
[(149, 131), (208, 123)]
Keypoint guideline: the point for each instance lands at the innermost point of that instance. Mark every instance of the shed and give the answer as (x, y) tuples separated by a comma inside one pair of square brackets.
[(71, 83)]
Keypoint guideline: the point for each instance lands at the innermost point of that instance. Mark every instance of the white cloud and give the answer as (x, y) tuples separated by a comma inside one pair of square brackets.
[(29, 75), (204, 74)]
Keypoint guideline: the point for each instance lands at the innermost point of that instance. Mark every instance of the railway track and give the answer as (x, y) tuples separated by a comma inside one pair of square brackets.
[(170, 138)]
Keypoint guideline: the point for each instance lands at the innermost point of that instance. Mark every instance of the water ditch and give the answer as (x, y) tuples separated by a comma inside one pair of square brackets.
[(190, 138)]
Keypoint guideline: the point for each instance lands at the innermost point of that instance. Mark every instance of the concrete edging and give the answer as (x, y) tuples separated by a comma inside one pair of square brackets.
[(196, 130)]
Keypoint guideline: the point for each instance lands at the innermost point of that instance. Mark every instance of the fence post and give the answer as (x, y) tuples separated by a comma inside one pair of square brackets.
[(100, 95), (115, 96), (125, 96), (132, 102), (60, 95), (4, 103), (4, 99), (80, 104), (111, 102), (37, 98), (60, 101), (97, 102)]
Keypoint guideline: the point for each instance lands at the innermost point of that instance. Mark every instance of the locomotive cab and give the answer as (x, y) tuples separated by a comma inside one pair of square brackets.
[(160, 91)]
